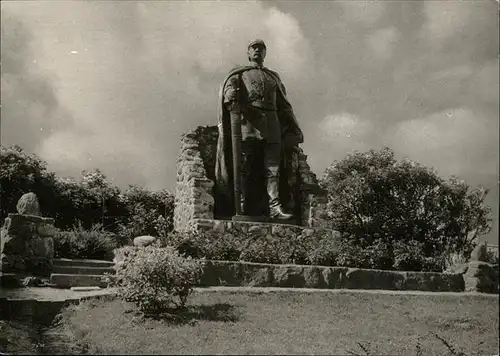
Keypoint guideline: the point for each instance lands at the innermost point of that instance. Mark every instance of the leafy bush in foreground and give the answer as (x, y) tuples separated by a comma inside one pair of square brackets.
[(156, 278), (94, 243)]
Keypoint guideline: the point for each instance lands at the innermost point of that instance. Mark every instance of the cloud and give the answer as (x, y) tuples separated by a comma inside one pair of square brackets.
[(30, 106), (71, 152), (383, 41), (363, 12), (444, 18), (338, 135), (456, 141), (137, 75), (471, 26)]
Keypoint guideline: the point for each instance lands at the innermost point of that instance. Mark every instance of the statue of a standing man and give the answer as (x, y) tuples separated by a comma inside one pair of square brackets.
[(255, 96)]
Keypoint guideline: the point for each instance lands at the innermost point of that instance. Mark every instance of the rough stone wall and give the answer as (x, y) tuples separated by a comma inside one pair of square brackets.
[(27, 246), (313, 198), (194, 188)]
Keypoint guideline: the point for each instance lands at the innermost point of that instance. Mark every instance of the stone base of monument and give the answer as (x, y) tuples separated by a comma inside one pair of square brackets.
[(283, 222), (263, 219), (250, 218), (274, 227)]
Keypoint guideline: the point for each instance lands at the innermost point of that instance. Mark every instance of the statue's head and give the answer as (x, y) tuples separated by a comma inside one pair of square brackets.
[(256, 51)]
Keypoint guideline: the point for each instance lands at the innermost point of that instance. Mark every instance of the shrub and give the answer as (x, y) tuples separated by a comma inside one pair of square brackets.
[(372, 195), (206, 244), (147, 213), (323, 247), (156, 278), (265, 249), (410, 256), (94, 243), (323, 250), (235, 246), (492, 258)]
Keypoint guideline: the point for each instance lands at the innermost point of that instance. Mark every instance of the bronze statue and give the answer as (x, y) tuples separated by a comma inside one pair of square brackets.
[(257, 127)]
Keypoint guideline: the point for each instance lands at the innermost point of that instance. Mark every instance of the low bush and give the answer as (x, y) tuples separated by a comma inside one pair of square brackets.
[(410, 256), (81, 243), (239, 246), (156, 278), (491, 257), (323, 247)]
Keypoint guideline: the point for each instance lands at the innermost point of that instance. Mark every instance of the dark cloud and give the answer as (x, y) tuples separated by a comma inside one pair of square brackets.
[(30, 107)]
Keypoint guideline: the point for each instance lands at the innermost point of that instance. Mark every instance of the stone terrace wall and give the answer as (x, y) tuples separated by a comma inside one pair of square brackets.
[(195, 177), (249, 274), (226, 273), (27, 246)]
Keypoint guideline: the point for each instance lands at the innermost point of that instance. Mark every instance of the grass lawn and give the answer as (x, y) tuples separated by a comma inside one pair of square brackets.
[(18, 338), (294, 323)]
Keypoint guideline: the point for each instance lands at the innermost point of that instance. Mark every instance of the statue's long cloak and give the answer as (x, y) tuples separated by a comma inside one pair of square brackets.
[(224, 156)]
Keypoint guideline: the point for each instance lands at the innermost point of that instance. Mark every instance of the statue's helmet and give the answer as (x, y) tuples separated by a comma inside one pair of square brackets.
[(257, 42)]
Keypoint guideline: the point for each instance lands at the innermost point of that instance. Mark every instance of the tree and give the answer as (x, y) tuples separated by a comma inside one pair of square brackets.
[(372, 197), (91, 200), (22, 173), (148, 212)]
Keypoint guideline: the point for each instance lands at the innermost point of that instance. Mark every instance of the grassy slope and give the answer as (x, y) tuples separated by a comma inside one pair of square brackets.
[(295, 323)]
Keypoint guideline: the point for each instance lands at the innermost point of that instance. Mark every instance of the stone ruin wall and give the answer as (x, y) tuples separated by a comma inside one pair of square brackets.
[(194, 186), (27, 246), (194, 196), (314, 199)]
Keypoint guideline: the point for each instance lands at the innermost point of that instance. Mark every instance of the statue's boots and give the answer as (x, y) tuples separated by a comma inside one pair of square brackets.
[(275, 208)]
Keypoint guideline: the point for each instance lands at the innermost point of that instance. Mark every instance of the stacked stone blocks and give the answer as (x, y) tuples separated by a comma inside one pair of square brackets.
[(27, 245), (194, 189)]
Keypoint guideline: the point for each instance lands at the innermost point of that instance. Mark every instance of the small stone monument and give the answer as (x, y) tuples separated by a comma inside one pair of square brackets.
[(27, 245)]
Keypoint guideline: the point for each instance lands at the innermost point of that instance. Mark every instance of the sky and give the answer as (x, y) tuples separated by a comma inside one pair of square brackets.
[(113, 85)]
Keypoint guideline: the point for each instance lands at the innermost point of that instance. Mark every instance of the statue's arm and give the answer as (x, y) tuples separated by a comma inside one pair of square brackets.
[(230, 93), (292, 135)]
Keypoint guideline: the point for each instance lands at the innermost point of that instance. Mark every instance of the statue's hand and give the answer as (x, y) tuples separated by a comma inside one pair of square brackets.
[(233, 106)]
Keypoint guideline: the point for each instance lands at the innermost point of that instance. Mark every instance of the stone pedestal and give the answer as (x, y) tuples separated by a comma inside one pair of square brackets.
[(255, 228), (195, 197), (27, 246)]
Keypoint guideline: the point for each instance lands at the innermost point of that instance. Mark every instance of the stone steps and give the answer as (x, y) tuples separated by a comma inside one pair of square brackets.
[(64, 280), (82, 263), (68, 273), (82, 270)]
